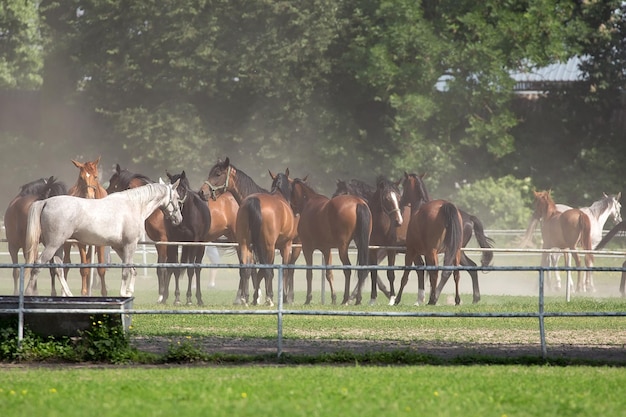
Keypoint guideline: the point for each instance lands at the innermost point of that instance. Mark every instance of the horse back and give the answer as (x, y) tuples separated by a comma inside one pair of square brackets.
[(428, 226)]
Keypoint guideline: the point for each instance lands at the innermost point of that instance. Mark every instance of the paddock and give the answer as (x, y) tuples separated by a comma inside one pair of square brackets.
[(502, 285)]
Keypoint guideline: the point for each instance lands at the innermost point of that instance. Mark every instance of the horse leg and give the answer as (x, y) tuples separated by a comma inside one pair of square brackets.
[(85, 258), (13, 251), (589, 274), (421, 292), (162, 274), (328, 260), (580, 282), (554, 261), (409, 259), (127, 287), (102, 258), (431, 260), (391, 276), (466, 261), (199, 254), (308, 258), (356, 294), (61, 277), (622, 284)]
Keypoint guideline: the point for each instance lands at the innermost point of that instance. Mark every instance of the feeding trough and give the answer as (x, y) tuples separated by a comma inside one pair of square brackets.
[(72, 322)]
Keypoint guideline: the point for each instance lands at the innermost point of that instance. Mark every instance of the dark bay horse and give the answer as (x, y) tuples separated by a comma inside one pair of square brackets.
[(194, 228), (265, 222), (88, 186), (327, 223), (566, 230), (224, 177), (115, 220), (620, 227), (16, 216), (415, 194), (434, 228), (388, 223)]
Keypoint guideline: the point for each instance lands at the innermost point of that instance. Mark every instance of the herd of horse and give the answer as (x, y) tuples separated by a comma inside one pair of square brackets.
[(291, 218)]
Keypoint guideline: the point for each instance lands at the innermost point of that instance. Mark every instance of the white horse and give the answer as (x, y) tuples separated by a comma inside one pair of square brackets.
[(598, 213), (116, 220)]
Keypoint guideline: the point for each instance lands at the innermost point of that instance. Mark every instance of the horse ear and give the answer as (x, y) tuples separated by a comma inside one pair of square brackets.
[(118, 168), (227, 161), (161, 181), (183, 174), (287, 171), (619, 195), (97, 161), (271, 175), (305, 178), (175, 185), (78, 164), (424, 175), (168, 175)]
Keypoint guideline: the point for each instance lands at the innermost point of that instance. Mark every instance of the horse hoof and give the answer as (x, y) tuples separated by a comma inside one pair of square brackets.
[(392, 300), (373, 302)]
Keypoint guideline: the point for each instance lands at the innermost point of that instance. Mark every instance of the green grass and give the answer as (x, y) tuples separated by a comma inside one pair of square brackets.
[(314, 391)]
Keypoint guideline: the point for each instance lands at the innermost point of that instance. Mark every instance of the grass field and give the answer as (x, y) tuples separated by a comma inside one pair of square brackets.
[(314, 391)]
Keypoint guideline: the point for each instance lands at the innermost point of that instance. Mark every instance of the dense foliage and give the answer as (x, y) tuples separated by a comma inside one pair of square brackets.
[(332, 89)]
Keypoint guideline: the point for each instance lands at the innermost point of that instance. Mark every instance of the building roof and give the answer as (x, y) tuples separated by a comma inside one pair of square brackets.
[(555, 73)]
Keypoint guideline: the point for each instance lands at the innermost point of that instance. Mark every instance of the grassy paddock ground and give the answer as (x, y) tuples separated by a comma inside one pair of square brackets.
[(314, 391), (502, 291)]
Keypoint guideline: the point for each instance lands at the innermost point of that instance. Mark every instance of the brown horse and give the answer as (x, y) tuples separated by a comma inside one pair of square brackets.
[(224, 177), (327, 223), (16, 216), (435, 228), (87, 186), (265, 222), (388, 225), (566, 230), (415, 194)]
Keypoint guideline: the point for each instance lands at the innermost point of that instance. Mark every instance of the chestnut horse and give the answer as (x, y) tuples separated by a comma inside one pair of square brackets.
[(265, 222), (327, 223), (87, 186), (16, 216), (415, 194), (434, 228), (388, 223), (224, 177), (566, 230)]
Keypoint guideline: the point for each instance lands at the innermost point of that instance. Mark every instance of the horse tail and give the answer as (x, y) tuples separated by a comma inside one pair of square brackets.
[(362, 233), (620, 227), (453, 239), (253, 209), (483, 240), (33, 230)]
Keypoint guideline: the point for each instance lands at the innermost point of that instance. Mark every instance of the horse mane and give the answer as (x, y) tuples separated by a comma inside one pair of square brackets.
[(142, 193), (125, 177), (421, 186), (281, 185), (245, 184), (43, 188)]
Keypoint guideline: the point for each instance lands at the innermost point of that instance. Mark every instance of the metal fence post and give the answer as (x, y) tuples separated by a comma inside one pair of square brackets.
[(20, 312), (280, 310), (542, 328)]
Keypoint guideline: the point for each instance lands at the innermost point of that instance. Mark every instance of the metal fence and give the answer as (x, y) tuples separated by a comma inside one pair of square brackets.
[(280, 310)]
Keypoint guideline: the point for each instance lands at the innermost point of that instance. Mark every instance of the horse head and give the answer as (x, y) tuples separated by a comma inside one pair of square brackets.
[(389, 198), (218, 180), (414, 192), (183, 188), (171, 207), (88, 185), (281, 183)]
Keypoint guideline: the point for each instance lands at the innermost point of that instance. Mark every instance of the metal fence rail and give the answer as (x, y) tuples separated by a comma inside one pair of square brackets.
[(280, 311)]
